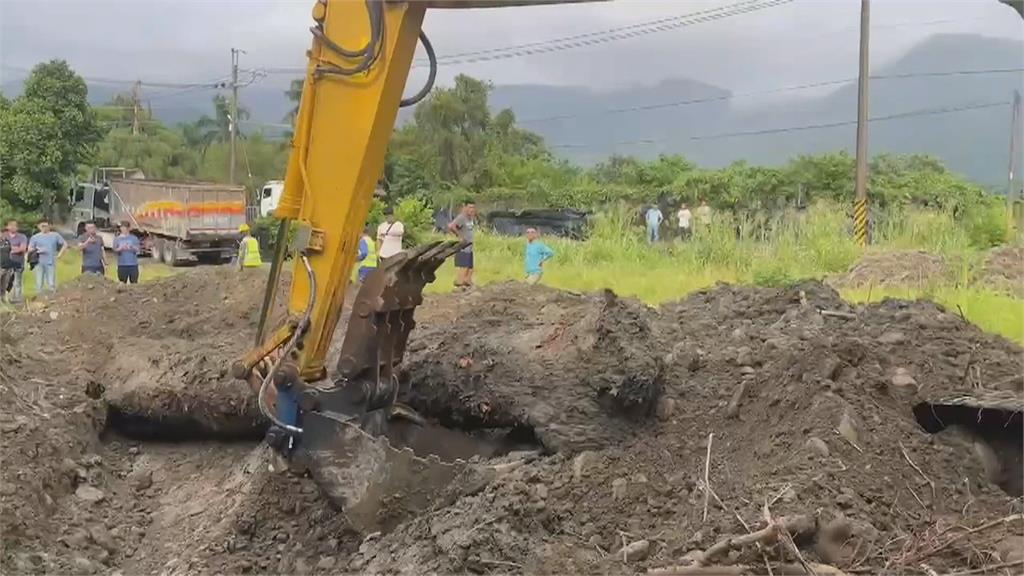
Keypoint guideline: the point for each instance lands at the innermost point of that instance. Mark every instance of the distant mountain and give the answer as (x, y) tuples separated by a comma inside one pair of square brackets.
[(973, 143)]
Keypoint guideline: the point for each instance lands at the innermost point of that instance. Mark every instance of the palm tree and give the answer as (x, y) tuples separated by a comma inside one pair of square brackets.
[(294, 94), (205, 131)]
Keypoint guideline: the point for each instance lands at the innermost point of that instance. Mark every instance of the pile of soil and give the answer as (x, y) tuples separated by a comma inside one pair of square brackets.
[(801, 415), (894, 268), (578, 371), (809, 412), (1004, 269)]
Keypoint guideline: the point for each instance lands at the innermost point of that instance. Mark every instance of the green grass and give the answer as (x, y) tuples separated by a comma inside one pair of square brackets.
[(989, 310), (813, 244), (69, 267)]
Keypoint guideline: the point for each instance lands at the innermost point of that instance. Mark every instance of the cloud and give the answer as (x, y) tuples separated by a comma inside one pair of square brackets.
[(190, 40)]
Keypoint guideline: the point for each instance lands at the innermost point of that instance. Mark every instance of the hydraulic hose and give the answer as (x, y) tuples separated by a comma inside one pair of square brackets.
[(287, 350), (430, 78), (368, 54)]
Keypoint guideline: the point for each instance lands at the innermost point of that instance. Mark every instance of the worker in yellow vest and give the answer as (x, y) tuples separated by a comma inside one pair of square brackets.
[(366, 255), (248, 249)]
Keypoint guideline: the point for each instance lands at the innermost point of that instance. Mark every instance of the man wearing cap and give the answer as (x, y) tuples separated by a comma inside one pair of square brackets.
[(248, 249)]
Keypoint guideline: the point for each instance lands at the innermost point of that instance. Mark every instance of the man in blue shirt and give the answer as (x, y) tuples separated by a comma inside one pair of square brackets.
[(537, 253), (94, 260), (654, 218), (127, 247), (49, 246)]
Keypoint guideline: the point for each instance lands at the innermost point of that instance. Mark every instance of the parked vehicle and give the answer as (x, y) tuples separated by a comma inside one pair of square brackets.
[(270, 195), (565, 223), (178, 222)]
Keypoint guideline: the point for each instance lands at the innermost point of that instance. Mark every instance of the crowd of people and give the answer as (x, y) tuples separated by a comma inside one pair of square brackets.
[(373, 252), (41, 252), (654, 220)]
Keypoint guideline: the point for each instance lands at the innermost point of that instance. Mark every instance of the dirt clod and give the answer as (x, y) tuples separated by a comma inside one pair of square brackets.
[(89, 493)]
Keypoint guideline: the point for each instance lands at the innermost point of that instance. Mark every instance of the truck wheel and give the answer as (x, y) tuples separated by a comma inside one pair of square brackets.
[(170, 252), (156, 249)]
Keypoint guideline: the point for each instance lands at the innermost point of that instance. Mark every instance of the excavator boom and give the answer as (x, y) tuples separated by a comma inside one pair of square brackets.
[(349, 432)]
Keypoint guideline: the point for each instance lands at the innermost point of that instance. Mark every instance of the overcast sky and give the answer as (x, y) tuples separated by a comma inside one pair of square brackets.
[(189, 40)]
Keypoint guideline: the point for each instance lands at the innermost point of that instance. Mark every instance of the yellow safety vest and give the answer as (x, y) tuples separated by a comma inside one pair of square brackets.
[(371, 254), (252, 253)]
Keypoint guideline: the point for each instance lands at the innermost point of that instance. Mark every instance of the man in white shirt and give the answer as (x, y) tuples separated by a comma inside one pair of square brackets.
[(704, 213), (685, 218), (389, 235)]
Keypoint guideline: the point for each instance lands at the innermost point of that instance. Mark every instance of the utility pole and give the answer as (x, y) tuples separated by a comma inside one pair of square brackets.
[(136, 89), (1013, 185), (233, 120), (860, 205)]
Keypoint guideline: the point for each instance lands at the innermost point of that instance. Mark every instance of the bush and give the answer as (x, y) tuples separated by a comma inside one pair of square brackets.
[(417, 219)]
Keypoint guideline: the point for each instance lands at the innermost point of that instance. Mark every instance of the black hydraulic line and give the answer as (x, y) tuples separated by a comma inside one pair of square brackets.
[(270, 294), (370, 52), (430, 79)]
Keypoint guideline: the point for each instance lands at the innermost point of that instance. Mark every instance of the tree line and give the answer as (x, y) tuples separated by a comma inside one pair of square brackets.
[(452, 148)]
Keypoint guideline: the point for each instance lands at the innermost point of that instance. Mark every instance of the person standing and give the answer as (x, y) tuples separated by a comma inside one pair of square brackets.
[(14, 263), (704, 213), (94, 259), (654, 219), (248, 249), (127, 246), (685, 218), (537, 253), (48, 247), (389, 235), (366, 255), (462, 226)]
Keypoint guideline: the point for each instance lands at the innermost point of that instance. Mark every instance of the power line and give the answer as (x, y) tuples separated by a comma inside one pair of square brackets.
[(588, 38), (896, 116), (617, 30), (558, 45), (767, 91)]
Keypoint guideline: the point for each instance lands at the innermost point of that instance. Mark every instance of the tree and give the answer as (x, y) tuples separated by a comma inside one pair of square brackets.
[(206, 130), (44, 135), (294, 94)]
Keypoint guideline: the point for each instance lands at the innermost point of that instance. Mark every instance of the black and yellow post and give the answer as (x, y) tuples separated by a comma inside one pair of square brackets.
[(860, 221), (860, 185)]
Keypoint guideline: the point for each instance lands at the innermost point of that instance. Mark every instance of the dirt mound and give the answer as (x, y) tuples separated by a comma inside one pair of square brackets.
[(895, 268), (801, 404), (810, 413), (1004, 269), (512, 356)]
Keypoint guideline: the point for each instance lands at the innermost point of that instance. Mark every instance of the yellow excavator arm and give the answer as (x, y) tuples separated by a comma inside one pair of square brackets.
[(343, 431)]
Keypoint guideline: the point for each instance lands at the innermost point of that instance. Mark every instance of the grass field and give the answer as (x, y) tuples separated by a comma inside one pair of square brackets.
[(69, 267), (811, 245)]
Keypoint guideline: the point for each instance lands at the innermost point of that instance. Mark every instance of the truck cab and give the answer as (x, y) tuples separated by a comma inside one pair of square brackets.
[(270, 195), (90, 202)]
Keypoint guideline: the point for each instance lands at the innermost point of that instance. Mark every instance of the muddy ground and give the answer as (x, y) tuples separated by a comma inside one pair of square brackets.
[(808, 417)]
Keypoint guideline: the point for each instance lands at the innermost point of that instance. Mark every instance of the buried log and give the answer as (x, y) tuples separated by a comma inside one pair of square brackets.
[(174, 389), (787, 569)]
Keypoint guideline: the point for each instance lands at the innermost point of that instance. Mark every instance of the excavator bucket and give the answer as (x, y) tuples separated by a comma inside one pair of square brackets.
[(371, 456)]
